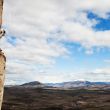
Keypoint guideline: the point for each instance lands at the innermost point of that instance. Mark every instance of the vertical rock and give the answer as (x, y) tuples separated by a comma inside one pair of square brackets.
[(2, 70), (1, 10), (2, 58)]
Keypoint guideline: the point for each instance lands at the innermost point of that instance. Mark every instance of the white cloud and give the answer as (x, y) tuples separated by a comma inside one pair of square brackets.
[(103, 71), (33, 23)]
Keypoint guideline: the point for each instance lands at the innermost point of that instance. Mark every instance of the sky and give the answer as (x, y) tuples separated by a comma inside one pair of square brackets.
[(56, 40)]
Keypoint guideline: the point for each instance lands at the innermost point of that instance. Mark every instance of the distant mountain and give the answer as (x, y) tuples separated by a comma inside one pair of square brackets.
[(72, 84), (33, 84), (78, 84), (69, 85)]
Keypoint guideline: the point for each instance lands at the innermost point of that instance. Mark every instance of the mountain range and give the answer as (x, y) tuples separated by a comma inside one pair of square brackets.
[(69, 85)]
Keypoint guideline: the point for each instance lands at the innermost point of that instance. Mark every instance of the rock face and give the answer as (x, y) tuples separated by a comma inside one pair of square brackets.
[(1, 10), (2, 70), (2, 57)]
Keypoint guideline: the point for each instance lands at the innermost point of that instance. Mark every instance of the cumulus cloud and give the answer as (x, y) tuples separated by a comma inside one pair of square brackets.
[(37, 28)]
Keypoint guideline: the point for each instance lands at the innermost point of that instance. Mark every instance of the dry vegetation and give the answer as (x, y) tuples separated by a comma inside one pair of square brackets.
[(16, 98)]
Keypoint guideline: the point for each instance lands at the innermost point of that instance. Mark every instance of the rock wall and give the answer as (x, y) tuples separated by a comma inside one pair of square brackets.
[(2, 76), (1, 10), (2, 58)]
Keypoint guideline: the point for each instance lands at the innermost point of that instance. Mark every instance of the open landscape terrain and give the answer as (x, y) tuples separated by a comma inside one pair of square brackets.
[(63, 47), (39, 98)]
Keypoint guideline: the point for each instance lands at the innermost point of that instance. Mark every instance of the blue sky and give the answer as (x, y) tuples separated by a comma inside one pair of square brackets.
[(103, 23), (57, 43)]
